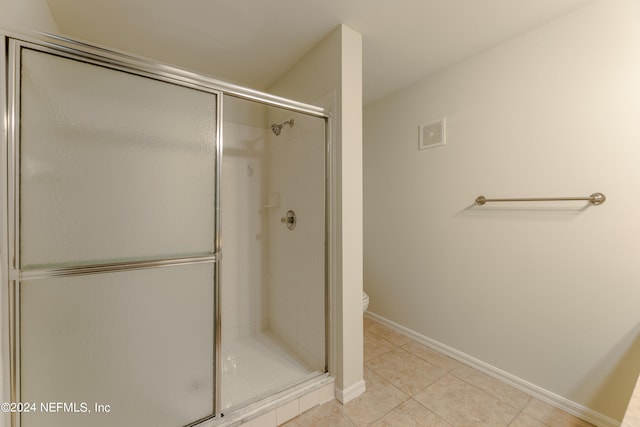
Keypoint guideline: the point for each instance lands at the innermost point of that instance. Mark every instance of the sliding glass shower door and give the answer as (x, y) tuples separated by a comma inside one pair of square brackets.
[(112, 213)]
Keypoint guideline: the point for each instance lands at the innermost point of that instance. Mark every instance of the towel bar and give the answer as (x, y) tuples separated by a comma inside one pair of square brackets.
[(595, 199)]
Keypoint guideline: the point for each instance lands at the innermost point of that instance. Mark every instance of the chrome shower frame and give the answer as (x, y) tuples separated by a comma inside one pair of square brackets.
[(10, 271)]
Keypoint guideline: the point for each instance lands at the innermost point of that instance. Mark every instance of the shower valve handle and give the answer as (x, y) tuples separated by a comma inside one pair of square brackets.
[(289, 219)]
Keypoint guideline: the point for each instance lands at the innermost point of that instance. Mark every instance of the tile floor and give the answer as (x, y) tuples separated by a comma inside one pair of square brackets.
[(409, 384)]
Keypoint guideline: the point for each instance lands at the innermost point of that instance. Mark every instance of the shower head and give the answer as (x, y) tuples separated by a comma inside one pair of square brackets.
[(277, 128)]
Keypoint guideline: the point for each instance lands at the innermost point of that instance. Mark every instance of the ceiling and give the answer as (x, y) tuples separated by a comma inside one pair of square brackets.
[(254, 42)]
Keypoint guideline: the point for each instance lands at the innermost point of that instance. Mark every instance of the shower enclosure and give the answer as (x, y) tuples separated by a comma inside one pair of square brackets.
[(164, 241)]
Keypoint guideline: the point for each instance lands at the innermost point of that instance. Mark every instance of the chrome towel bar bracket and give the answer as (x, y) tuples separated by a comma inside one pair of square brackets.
[(594, 199)]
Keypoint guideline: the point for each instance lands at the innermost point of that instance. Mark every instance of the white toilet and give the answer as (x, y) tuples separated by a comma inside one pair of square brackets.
[(365, 301)]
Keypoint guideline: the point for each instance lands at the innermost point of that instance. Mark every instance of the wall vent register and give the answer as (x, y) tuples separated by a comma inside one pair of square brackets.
[(432, 135)]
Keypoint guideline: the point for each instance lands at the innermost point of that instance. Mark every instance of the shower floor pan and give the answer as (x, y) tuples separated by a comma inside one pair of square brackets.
[(255, 367)]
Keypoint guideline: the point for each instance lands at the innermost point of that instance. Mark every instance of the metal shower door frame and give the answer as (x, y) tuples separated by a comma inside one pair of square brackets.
[(16, 274)]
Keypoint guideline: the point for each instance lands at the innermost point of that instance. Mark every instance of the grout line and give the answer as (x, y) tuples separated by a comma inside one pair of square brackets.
[(433, 412)]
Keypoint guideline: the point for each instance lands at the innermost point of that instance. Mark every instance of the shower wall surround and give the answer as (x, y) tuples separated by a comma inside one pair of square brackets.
[(243, 189)]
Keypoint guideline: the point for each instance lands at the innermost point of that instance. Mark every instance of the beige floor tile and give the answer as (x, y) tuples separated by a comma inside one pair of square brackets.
[(432, 356), (411, 414), (462, 404), (367, 321), (502, 391), (380, 398), (387, 333), (552, 416), (523, 420), (329, 414), (405, 370), (375, 345)]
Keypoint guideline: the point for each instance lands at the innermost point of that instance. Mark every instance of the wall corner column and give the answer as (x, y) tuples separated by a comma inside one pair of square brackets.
[(349, 381)]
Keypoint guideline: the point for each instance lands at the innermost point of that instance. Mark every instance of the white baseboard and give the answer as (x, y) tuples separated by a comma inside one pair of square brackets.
[(351, 393), (596, 418)]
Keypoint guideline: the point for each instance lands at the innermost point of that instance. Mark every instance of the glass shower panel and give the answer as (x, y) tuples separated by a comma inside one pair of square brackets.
[(273, 277), (296, 261), (113, 166), (140, 342)]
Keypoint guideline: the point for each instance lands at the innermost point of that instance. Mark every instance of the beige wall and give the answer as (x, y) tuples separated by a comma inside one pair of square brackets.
[(332, 74), (20, 15), (547, 292)]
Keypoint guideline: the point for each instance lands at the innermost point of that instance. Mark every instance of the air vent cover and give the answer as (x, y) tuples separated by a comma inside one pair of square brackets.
[(432, 135)]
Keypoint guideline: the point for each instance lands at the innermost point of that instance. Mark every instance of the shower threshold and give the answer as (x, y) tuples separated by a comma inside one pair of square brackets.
[(315, 390)]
